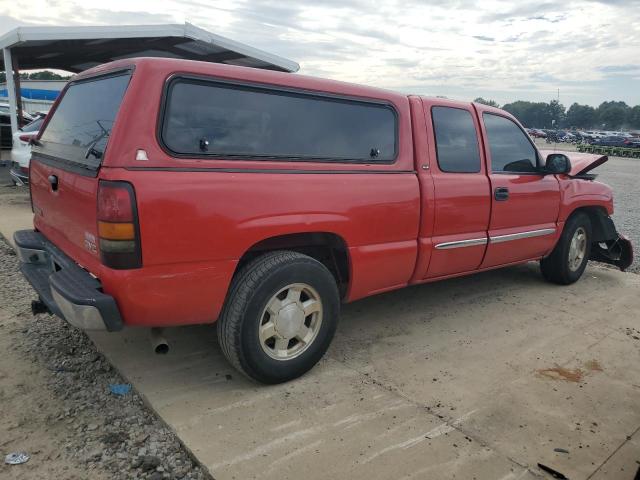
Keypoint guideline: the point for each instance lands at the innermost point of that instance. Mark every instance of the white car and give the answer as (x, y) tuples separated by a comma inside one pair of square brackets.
[(21, 151)]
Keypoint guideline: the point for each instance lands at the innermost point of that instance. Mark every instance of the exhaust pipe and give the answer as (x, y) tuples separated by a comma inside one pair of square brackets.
[(158, 342), (38, 306)]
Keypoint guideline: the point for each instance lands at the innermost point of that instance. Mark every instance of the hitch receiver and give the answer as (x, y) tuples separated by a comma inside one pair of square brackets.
[(38, 306)]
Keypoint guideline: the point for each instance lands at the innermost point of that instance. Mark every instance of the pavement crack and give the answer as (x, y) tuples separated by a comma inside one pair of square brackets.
[(629, 437), (450, 423)]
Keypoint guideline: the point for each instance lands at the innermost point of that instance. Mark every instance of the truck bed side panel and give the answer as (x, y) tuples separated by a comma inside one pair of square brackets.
[(196, 225)]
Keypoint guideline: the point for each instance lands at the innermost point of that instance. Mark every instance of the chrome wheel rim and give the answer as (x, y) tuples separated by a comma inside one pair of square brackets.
[(290, 321), (577, 249)]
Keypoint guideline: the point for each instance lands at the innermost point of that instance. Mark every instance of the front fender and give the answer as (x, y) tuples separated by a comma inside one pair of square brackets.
[(578, 193)]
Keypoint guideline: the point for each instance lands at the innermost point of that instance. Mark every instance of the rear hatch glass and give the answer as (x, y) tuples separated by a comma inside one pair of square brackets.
[(79, 129), (65, 164)]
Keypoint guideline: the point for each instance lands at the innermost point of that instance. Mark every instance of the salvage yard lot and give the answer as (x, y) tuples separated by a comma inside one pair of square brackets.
[(479, 377)]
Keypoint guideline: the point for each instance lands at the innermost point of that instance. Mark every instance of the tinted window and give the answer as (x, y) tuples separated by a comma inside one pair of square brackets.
[(206, 118), (33, 126), (456, 140), (511, 150), (84, 119)]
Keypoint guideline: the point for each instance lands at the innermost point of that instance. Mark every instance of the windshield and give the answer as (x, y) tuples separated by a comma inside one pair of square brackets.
[(81, 124), (33, 126)]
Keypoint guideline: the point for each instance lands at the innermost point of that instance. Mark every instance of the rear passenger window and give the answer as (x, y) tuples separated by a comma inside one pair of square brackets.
[(511, 150), (81, 124), (211, 118), (456, 140)]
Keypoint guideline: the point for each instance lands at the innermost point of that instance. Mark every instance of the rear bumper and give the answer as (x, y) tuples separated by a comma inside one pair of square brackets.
[(69, 291)]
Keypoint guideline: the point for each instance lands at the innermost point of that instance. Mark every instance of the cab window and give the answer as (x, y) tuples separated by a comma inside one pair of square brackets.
[(456, 140), (511, 151)]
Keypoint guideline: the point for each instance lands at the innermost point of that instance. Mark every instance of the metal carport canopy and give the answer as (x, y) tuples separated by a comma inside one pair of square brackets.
[(78, 48)]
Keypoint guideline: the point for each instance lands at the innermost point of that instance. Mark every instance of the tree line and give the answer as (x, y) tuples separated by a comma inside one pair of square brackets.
[(610, 115), (607, 116), (43, 75)]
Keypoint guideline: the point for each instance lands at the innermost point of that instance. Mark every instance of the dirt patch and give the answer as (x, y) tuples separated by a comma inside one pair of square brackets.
[(560, 373), (594, 366), (575, 375)]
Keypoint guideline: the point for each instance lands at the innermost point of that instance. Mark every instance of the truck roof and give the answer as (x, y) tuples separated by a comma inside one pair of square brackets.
[(170, 65)]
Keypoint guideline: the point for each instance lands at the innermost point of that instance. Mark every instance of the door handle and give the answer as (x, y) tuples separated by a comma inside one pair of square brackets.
[(501, 194), (53, 180)]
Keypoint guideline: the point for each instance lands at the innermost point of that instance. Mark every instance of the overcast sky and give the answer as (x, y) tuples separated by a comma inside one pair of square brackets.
[(505, 51)]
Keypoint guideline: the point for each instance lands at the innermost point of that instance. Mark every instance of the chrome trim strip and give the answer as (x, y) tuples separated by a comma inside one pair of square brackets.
[(462, 243), (521, 235)]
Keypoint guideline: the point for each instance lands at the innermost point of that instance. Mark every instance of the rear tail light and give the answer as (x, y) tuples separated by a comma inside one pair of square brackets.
[(118, 226)]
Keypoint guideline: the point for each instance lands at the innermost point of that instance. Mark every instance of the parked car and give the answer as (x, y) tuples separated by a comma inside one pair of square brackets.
[(586, 137), (26, 117), (21, 151), (5, 131), (595, 135), (6, 137), (536, 133), (169, 192), (555, 136), (616, 141)]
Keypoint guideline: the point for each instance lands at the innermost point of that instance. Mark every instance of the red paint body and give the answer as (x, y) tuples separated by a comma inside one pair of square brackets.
[(196, 223)]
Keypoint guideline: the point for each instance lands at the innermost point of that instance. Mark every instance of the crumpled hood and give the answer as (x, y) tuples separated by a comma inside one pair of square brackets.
[(581, 163)]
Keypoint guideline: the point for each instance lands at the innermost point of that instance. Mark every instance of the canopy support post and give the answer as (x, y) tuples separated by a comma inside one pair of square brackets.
[(11, 89), (16, 85)]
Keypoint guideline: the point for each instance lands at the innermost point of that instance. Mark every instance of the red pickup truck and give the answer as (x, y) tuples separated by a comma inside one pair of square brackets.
[(169, 192)]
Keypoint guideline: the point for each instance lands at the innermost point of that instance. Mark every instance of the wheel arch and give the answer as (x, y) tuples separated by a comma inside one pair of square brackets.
[(328, 248), (602, 227)]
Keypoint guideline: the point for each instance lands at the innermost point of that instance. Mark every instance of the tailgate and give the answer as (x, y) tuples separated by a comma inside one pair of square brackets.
[(66, 160)]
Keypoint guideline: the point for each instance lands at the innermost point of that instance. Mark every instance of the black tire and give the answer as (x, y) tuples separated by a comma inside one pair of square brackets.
[(556, 267), (252, 288)]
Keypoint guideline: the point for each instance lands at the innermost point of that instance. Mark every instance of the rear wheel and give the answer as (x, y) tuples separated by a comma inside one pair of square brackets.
[(569, 258), (280, 316)]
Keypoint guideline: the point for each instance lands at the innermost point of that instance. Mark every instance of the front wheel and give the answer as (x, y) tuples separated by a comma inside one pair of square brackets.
[(569, 258), (280, 316)]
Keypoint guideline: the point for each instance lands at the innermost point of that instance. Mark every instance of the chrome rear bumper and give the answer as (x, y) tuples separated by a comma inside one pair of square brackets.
[(67, 290)]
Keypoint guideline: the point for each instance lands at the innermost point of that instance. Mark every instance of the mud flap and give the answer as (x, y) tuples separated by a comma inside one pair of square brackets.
[(618, 252)]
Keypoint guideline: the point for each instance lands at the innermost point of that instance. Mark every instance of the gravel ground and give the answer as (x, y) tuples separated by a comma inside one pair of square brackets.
[(63, 413)]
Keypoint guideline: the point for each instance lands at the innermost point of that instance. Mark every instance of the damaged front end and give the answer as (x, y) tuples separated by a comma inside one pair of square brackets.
[(617, 251), (608, 245)]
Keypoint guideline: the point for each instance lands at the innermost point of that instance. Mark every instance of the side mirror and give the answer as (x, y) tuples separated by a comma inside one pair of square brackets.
[(557, 163)]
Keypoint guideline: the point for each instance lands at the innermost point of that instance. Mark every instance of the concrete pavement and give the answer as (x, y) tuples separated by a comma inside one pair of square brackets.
[(479, 377)]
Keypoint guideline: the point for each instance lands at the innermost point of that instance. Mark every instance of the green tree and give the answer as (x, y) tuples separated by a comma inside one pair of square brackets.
[(612, 115), (46, 75), (556, 112), (530, 114), (42, 75), (491, 103), (633, 117), (581, 116)]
